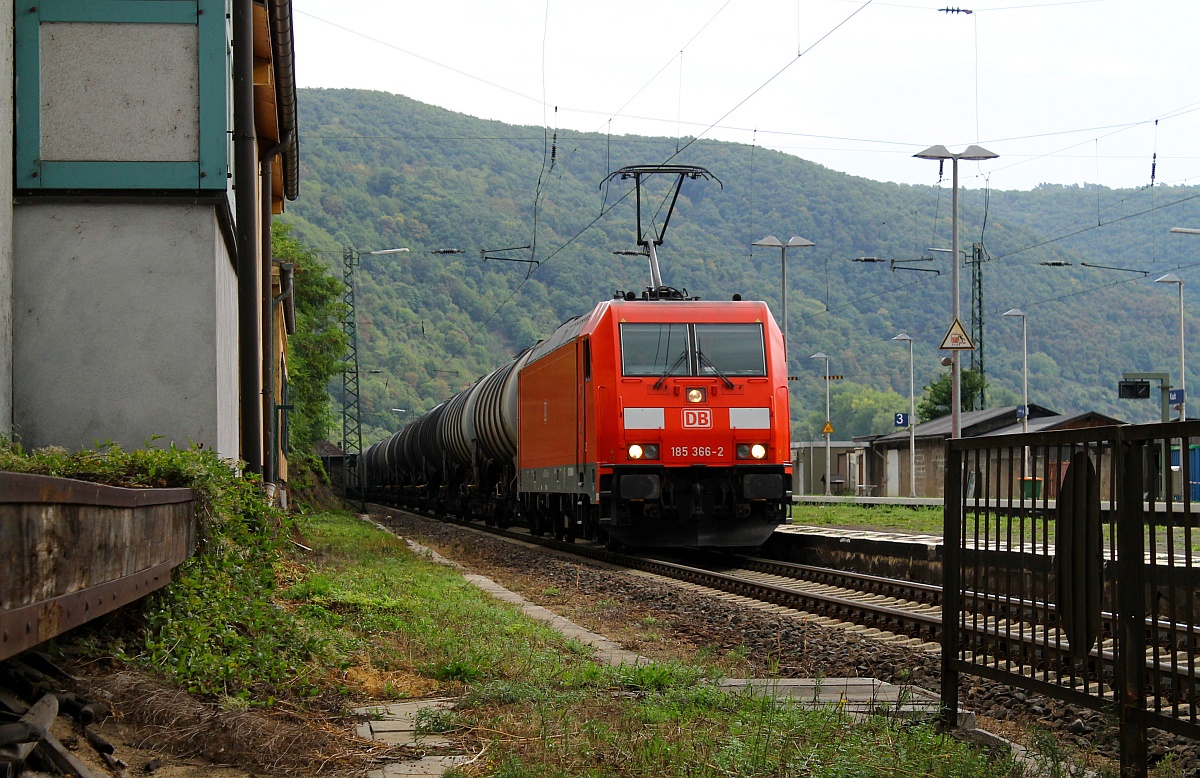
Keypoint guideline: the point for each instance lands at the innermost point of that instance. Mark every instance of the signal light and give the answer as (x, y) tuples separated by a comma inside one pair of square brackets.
[(642, 451), (1133, 390), (696, 395), (751, 451)]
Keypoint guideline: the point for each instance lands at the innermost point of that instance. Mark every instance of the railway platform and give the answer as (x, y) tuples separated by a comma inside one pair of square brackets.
[(902, 555)]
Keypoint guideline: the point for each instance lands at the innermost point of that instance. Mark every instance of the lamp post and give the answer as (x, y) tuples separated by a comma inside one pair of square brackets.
[(1017, 312), (796, 242), (1171, 278), (939, 152), (828, 474), (351, 404), (912, 415)]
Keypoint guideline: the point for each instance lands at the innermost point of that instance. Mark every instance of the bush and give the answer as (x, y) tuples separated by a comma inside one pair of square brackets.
[(214, 629)]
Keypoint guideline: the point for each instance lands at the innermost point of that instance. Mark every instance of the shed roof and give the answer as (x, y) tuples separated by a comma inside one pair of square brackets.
[(971, 423)]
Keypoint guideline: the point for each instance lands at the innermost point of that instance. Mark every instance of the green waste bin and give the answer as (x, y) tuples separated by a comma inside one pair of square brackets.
[(1031, 488)]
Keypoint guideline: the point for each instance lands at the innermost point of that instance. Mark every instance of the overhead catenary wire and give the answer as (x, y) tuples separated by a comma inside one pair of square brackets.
[(1082, 230), (610, 114), (591, 223), (561, 247)]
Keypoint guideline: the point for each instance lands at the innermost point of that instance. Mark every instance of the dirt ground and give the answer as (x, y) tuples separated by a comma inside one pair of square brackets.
[(139, 761)]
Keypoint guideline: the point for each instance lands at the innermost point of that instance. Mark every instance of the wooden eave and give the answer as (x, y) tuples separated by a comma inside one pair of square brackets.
[(266, 107)]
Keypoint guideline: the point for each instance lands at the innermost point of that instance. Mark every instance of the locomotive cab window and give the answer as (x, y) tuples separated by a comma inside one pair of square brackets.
[(663, 350), (730, 349), (655, 349)]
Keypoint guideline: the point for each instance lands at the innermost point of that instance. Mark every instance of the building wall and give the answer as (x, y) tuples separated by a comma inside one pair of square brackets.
[(6, 189), (228, 389), (107, 97), (127, 326)]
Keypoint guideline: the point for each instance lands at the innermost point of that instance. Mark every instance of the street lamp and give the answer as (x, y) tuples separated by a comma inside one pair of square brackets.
[(796, 242), (1024, 378), (351, 404), (912, 415), (828, 426), (1171, 278), (939, 152)]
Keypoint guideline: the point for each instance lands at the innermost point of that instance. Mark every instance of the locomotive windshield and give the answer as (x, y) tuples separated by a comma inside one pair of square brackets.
[(655, 349), (731, 349), (692, 350)]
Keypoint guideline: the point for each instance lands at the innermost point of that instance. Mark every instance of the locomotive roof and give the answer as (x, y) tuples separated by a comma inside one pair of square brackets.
[(646, 311)]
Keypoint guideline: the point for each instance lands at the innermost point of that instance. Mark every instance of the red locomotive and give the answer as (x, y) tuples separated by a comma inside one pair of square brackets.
[(658, 420)]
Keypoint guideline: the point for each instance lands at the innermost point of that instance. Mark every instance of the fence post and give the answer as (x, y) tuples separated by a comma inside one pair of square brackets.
[(1131, 602), (952, 556)]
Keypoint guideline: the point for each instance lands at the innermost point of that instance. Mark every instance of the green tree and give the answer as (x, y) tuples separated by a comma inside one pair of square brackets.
[(316, 349), (936, 402), (854, 409)]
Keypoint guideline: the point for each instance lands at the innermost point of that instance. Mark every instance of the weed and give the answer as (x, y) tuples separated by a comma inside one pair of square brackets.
[(457, 671), (435, 720)]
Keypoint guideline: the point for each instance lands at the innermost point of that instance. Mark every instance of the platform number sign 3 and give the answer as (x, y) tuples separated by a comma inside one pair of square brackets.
[(901, 419)]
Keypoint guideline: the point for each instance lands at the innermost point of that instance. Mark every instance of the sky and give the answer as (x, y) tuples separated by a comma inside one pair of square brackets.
[(1064, 91)]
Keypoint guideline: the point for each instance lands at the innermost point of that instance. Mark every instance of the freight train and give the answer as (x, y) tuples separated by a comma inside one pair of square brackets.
[(657, 420)]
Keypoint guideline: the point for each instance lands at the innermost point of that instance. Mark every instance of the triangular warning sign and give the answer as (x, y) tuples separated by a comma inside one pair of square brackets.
[(956, 339), (828, 429)]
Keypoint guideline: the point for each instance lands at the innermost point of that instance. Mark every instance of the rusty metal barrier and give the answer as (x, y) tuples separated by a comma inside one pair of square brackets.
[(71, 551), (1072, 562)]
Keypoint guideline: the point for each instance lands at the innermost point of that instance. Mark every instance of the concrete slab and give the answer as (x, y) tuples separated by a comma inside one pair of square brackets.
[(408, 737), (865, 695), (606, 650), (857, 696), (429, 766), (407, 708)]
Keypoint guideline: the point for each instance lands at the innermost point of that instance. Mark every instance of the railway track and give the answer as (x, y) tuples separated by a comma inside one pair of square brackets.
[(899, 610)]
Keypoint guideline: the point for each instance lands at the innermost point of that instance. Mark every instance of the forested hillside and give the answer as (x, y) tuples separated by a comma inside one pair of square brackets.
[(383, 171)]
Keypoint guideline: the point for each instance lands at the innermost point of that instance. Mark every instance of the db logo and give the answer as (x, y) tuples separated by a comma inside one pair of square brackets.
[(697, 418)]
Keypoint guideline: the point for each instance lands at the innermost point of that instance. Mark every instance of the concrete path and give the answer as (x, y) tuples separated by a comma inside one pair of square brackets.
[(859, 696), (396, 724)]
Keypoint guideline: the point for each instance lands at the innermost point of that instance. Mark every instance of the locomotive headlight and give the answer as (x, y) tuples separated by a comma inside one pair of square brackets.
[(696, 395), (643, 451), (751, 451)]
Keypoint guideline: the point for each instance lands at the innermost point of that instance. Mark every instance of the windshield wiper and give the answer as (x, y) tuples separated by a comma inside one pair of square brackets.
[(663, 378), (704, 360)]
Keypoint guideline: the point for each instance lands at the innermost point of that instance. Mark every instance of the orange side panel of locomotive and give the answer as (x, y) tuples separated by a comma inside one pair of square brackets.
[(549, 410)]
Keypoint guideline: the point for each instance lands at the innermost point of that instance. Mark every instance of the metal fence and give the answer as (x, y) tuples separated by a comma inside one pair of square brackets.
[(1071, 570)]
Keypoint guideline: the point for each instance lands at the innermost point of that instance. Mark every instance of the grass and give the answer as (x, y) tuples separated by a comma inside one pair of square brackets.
[(353, 614), (899, 518), (403, 624), (537, 704), (690, 728)]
